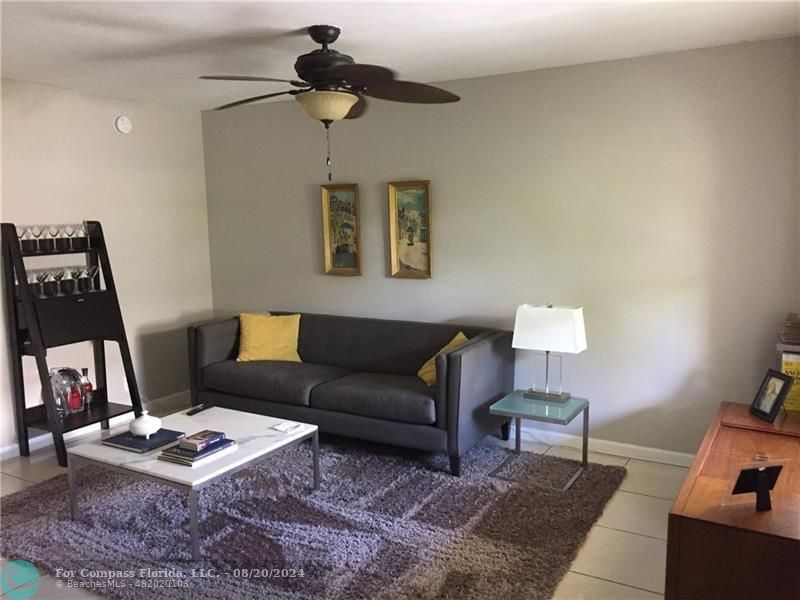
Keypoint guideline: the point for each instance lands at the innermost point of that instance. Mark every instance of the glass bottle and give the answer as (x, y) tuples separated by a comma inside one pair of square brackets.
[(75, 402), (60, 398), (87, 389)]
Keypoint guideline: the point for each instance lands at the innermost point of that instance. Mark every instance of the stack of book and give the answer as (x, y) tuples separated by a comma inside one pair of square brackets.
[(789, 348), (199, 448), (790, 333)]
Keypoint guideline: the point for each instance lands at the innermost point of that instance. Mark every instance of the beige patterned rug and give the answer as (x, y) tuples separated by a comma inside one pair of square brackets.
[(386, 523)]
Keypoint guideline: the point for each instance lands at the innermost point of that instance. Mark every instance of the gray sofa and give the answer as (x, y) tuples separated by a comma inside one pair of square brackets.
[(358, 379)]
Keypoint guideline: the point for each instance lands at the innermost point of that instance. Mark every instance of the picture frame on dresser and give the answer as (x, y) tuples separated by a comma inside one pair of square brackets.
[(341, 229), (410, 229), (771, 394)]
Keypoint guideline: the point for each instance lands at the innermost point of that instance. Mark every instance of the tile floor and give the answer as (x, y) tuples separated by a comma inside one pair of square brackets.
[(624, 556), (622, 559)]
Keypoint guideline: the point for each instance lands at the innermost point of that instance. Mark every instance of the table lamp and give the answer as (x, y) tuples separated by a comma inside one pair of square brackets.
[(549, 329)]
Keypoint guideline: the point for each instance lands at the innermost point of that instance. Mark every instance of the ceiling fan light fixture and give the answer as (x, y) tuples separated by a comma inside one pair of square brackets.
[(326, 105)]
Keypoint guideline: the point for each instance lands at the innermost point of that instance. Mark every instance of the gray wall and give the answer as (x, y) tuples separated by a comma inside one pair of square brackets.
[(63, 162), (660, 193)]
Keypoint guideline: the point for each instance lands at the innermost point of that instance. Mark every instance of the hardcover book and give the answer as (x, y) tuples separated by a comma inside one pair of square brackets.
[(790, 364), (201, 461), (183, 454), (135, 443), (201, 439)]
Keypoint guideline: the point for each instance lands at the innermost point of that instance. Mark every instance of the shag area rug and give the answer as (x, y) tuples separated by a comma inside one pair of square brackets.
[(386, 524)]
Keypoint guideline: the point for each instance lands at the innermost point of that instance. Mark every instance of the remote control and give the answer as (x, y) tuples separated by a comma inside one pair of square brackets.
[(199, 408)]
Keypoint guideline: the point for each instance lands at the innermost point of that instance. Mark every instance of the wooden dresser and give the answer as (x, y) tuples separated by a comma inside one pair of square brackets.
[(718, 546)]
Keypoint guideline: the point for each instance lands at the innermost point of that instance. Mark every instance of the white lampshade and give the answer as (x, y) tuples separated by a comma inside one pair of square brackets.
[(326, 105), (554, 329)]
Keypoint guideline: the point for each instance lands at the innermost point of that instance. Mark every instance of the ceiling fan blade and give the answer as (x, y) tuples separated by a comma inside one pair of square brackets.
[(359, 108), (409, 91), (250, 78), (359, 75), (255, 99)]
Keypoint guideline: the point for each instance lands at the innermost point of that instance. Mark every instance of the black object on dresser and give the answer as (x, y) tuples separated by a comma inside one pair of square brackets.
[(359, 378), (36, 323)]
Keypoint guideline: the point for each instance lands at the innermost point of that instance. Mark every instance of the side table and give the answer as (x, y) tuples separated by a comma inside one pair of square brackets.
[(519, 407)]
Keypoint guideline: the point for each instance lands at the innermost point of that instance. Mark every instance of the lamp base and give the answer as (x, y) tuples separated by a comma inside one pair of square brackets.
[(548, 396)]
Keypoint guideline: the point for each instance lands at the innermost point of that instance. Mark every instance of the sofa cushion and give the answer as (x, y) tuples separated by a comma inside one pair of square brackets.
[(373, 345), (392, 397), (278, 381), (268, 337), (427, 372)]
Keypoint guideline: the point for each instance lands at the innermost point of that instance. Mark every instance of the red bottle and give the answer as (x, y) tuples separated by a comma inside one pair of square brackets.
[(87, 389), (75, 401)]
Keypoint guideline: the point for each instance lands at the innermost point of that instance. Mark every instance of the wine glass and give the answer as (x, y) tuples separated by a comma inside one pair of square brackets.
[(27, 244), (67, 283), (33, 282), (48, 241), (37, 232), (58, 275), (77, 274), (79, 241), (41, 277), (85, 231), (63, 243), (70, 231), (91, 271)]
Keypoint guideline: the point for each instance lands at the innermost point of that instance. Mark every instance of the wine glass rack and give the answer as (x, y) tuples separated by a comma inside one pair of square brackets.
[(36, 323)]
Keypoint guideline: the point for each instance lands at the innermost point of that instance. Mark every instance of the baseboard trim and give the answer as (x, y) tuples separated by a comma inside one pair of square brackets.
[(557, 438), (44, 441)]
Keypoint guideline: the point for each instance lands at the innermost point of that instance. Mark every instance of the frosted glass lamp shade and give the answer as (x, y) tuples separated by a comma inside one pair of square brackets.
[(550, 328), (326, 105)]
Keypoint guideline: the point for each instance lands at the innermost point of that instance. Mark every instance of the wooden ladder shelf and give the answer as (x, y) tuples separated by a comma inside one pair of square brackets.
[(36, 324)]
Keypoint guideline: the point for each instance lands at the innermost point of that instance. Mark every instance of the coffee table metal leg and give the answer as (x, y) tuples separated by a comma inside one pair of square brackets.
[(518, 434), (315, 451), (73, 487), (194, 528)]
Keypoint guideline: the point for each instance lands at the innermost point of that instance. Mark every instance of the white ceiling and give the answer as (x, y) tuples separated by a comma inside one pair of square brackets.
[(154, 51)]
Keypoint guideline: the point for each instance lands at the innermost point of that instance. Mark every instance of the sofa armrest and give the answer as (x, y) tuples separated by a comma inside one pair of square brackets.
[(209, 343), (441, 378), (477, 375)]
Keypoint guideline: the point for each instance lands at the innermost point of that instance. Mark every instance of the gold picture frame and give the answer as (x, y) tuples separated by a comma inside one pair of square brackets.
[(341, 229), (410, 229)]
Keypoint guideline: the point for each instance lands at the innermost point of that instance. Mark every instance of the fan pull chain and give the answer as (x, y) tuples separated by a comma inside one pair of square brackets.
[(328, 143)]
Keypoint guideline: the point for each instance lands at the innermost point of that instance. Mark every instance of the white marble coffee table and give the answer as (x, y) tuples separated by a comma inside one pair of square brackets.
[(253, 434)]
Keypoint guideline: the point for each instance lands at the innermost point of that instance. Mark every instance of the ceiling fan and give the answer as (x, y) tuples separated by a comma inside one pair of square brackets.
[(332, 86)]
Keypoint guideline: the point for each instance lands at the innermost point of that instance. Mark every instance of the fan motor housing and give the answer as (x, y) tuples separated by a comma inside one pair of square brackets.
[(311, 67)]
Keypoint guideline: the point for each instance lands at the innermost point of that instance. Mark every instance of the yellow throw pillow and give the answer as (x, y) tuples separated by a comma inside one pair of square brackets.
[(428, 371), (267, 337)]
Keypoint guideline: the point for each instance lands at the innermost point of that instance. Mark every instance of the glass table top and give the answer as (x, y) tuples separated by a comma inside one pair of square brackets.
[(549, 411)]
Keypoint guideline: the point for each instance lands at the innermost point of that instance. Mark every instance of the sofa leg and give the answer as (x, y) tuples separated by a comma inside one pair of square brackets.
[(455, 465), (505, 431)]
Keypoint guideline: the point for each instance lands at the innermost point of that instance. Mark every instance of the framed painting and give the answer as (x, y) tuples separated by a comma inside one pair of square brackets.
[(341, 229), (410, 229)]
